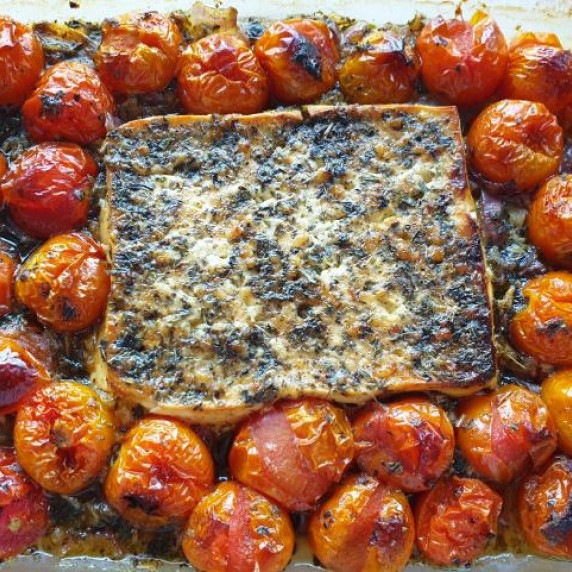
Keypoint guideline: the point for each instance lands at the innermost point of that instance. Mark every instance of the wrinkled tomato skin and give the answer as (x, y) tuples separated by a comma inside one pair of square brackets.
[(505, 433), (515, 145), (236, 529), (365, 526), (161, 472), (320, 445), (407, 443), (138, 52), (557, 394), (63, 437), (382, 69), (543, 328), (21, 61), (24, 515), (455, 520), (462, 62), (544, 502), (300, 57), (65, 282), (47, 189), (7, 270), (221, 74), (70, 103)]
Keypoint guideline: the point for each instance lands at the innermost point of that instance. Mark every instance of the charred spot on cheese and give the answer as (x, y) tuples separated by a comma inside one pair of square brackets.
[(330, 253)]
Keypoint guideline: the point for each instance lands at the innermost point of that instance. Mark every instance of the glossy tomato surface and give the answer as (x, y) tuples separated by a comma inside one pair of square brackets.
[(365, 526), (318, 438), (48, 187), (456, 520), (557, 394), (65, 282), (63, 437), (161, 472), (543, 328), (221, 74), (71, 103), (21, 61), (237, 529), (300, 57), (7, 270), (407, 443), (515, 145)]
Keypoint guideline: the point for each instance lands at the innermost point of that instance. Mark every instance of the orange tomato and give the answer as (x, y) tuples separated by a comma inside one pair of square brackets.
[(70, 102), (365, 526), (462, 62), (7, 269), (237, 529), (557, 394), (63, 437), (544, 503), (161, 472), (543, 328), (318, 438), (456, 520), (47, 189), (515, 145), (407, 443), (221, 74), (21, 61), (65, 282), (300, 57)]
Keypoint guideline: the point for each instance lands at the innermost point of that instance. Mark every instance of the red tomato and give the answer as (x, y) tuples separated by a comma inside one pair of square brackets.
[(48, 187), (70, 102), (557, 394), (7, 269), (3, 167)]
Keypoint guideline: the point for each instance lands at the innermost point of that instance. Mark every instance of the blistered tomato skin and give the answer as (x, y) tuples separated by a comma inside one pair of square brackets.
[(70, 103), (236, 529), (365, 526), (407, 443), (63, 437), (221, 74), (557, 394), (300, 57), (21, 61), (138, 52), (515, 145), (505, 433), (48, 187), (455, 521), (65, 282), (544, 502), (382, 69), (7, 269), (543, 328), (463, 62), (24, 515), (161, 472), (320, 445)]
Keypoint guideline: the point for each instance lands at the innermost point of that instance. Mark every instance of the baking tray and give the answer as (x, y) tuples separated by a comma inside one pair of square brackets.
[(512, 15)]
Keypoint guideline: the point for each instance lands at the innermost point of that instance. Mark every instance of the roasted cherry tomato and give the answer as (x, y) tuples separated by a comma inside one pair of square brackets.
[(7, 269), (462, 62), (382, 69), (543, 328), (24, 515), (63, 437), (455, 520), (138, 52), (237, 529), (365, 526), (3, 170), (221, 74), (300, 57), (407, 443), (515, 145), (47, 189), (318, 438), (557, 394), (21, 61), (70, 102), (544, 505), (505, 433), (162, 471), (65, 282)]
